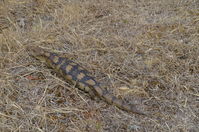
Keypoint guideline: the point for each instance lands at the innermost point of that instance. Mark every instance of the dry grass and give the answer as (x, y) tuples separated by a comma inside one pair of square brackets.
[(146, 52)]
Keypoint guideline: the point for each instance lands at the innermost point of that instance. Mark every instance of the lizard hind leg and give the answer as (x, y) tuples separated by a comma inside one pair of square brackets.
[(93, 95), (87, 89)]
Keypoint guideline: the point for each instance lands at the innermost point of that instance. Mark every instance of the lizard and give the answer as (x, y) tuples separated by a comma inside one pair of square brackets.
[(76, 74)]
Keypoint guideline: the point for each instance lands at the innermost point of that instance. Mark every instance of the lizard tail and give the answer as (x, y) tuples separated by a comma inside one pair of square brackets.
[(104, 94)]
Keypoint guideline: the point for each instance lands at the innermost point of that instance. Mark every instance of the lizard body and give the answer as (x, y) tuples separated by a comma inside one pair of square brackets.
[(74, 73)]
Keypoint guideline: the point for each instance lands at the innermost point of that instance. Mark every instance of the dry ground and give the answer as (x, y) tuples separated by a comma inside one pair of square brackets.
[(143, 51)]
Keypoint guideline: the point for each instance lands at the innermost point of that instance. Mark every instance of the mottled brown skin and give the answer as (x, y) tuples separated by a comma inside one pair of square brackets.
[(74, 73)]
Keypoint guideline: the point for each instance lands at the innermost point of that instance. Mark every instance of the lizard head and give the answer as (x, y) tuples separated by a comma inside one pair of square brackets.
[(37, 52)]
